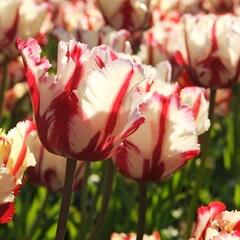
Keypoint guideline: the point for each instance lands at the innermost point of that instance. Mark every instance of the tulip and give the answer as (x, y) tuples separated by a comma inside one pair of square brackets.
[(15, 158), (89, 106), (170, 132), (130, 14), (180, 6), (195, 98), (50, 169), (117, 40), (219, 6), (211, 53), (159, 42), (78, 15), (215, 222), (19, 19), (13, 94)]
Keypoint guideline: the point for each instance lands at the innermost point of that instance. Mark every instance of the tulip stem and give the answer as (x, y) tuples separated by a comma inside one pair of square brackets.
[(83, 206), (142, 210), (107, 191), (3, 87), (84, 192), (66, 199), (201, 169)]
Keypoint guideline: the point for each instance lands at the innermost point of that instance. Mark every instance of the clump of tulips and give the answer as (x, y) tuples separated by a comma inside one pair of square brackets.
[(138, 86)]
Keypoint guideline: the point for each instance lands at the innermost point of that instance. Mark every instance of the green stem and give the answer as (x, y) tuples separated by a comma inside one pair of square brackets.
[(107, 192), (83, 205), (39, 218), (66, 199), (142, 210), (3, 88), (84, 192), (202, 167)]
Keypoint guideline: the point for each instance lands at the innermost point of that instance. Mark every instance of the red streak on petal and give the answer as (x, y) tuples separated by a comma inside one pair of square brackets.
[(196, 106), (22, 154), (64, 107), (74, 80), (6, 212), (157, 163), (99, 62), (89, 152), (112, 119)]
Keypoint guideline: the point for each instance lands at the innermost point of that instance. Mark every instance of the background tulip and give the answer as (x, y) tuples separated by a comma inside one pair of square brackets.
[(15, 158), (211, 53), (214, 222), (130, 15), (50, 168), (19, 19)]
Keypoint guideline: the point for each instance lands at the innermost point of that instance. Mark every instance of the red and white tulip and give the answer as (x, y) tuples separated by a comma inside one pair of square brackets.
[(211, 51), (19, 19), (117, 40), (219, 6), (90, 105), (215, 222), (159, 42), (78, 15), (167, 139), (130, 14), (15, 158), (195, 98)]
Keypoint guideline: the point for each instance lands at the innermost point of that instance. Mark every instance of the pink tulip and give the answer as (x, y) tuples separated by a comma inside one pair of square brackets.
[(89, 106), (15, 158)]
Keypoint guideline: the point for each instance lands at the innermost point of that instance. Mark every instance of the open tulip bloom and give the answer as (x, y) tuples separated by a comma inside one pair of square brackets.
[(15, 157), (20, 19), (211, 53), (174, 118), (215, 222), (89, 106)]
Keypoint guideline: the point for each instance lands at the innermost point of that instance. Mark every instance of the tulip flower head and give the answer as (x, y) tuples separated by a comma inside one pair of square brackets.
[(90, 105), (167, 139), (78, 15), (19, 19), (117, 40), (211, 51), (215, 222), (50, 168), (130, 14), (159, 42), (15, 158)]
